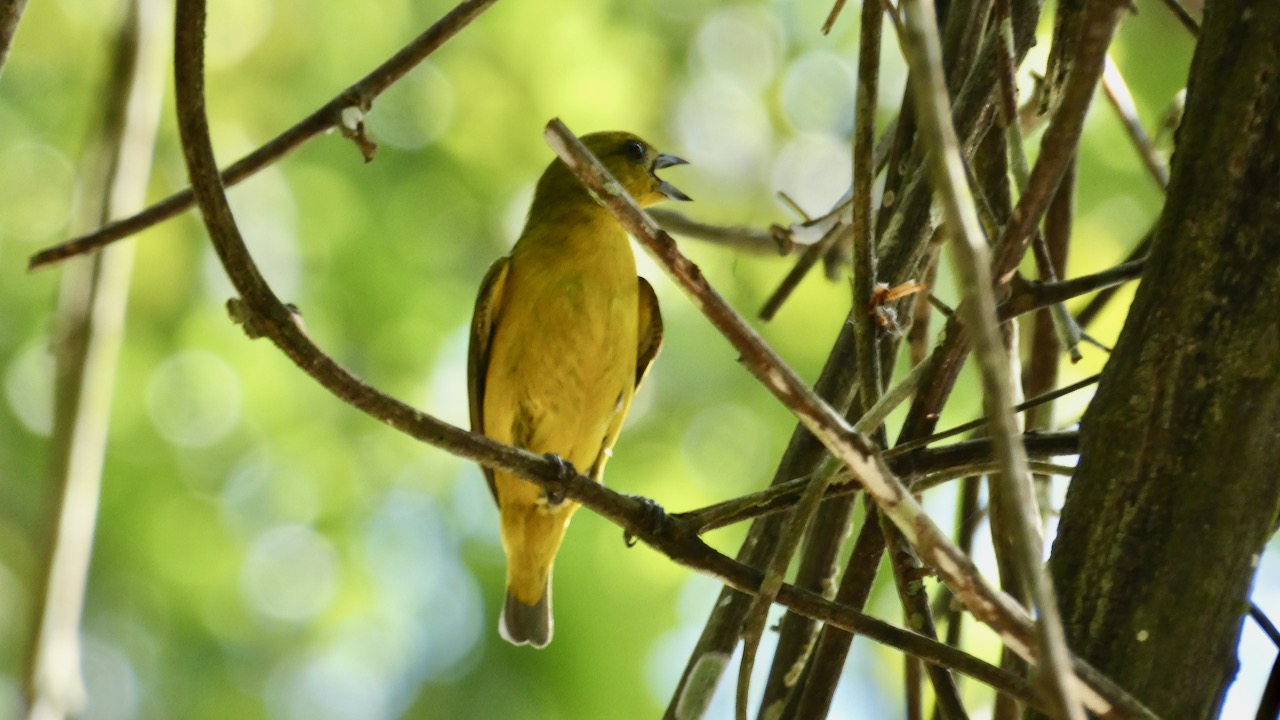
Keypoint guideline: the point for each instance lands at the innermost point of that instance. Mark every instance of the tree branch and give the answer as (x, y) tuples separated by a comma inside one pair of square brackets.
[(10, 16), (360, 96), (775, 241)]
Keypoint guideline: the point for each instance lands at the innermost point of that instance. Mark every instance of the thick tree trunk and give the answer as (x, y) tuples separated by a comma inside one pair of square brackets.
[(1179, 480)]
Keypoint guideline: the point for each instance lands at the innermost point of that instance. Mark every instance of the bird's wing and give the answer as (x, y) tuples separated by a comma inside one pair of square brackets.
[(650, 331), (488, 306), (649, 341)]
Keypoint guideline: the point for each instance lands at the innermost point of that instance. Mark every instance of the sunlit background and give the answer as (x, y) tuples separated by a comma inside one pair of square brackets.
[(264, 551)]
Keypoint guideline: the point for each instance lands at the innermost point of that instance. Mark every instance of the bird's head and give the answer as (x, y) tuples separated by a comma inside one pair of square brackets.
[(631, 160)]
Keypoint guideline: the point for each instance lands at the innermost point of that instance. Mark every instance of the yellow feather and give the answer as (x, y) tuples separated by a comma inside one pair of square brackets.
[(562, 335)]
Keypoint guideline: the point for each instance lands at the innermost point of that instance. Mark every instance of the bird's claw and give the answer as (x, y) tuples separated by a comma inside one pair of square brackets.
[(656, 520), (564, 472)]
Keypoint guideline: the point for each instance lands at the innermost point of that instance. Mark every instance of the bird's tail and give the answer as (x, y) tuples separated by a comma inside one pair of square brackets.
[(523, 624)]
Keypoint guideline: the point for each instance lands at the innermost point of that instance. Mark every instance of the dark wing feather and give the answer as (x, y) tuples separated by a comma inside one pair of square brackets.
[(650, 331), (488, 307)]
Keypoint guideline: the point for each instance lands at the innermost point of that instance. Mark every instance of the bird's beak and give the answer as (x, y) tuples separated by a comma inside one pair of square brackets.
[(665, 160)]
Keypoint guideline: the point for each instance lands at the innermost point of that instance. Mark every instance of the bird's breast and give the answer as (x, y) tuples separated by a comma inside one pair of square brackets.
[(564, 350)]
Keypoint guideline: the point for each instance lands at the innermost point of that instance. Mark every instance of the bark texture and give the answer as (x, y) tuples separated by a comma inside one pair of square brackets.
[(1179, 480)]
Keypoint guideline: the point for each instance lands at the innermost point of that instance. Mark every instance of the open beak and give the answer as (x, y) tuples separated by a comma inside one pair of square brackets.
[(665, 161)]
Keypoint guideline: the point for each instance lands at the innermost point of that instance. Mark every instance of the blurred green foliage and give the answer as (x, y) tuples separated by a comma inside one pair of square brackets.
[(265, 551)]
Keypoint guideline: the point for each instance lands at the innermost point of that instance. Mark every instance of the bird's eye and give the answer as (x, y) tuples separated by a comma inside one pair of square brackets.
[(634, 150)]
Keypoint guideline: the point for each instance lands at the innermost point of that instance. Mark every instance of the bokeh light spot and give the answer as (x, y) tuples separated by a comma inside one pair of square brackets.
[(36, 191), (723, 129), (290, 574), (194, 399), (415, 111), (818, 92), (28, 386), (727, 447), (110, 682), (742, 42)]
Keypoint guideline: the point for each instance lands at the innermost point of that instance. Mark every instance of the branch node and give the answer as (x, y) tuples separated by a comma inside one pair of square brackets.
[(656, 519), (353, 129), (254, 324)]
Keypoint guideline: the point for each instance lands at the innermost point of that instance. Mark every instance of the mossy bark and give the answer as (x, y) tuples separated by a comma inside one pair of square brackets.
[(1179, 480)]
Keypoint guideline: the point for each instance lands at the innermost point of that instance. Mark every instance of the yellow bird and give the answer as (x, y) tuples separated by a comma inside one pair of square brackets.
[(563, 334)]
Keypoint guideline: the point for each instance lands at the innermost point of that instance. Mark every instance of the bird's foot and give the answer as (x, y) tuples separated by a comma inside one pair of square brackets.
[(656, 519), (564, 472)]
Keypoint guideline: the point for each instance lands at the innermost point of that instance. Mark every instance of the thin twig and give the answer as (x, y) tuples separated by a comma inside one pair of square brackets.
[(921, 471), (864, 171), (1265, 623), (831, 16), (1183, 16), (775, 572), (862, 228), (745, 239), (1064, 324), (856, 233), (975, 424), (895, 396), (921, 318), (807, 260), (1095, 305), (10, 16), (1118, 93), (1035, 295), (802, 457), (832, 247), (360, 96), (914, 598), (1041, 375), (816, 687), (818, 571)]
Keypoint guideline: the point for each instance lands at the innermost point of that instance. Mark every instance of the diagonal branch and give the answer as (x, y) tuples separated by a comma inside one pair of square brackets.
[(360, 96), (10, 16), (1122, 100)]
